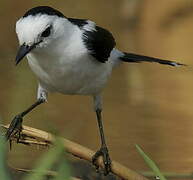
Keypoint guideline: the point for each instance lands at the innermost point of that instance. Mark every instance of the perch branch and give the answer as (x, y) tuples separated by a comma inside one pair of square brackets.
[(48, 173), (35, 136), (170, 175)]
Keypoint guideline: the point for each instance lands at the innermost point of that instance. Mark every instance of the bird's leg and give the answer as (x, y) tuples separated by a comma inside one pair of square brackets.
[(103, 151), (16, 125)]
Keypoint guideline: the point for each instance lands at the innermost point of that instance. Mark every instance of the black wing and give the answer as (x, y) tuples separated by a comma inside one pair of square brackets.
[(99, 42)]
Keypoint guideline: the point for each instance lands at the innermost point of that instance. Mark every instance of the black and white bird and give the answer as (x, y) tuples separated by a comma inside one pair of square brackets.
[(70, 56)]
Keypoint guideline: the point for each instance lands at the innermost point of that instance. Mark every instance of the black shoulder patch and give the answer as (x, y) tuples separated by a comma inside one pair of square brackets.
[(43, 10), (100, 43), (79, 22)]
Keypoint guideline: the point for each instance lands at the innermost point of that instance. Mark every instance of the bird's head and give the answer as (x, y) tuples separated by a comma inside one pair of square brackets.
[(37, 29)]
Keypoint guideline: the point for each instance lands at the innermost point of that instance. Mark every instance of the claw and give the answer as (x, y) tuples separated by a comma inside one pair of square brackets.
[(106, 160), (15, 128)]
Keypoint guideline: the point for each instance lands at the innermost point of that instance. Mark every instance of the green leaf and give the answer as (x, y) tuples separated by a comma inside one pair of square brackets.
[(150, 163), (47, 162), (63, 171), (3, 169)]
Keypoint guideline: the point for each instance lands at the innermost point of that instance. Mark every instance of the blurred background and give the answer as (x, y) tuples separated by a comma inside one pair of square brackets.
[(146, 104)]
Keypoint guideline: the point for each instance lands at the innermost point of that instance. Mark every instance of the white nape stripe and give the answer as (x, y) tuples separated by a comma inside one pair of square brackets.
[(90, 26)]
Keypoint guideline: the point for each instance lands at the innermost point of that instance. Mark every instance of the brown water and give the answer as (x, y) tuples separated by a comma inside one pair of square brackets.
[(145, 104)]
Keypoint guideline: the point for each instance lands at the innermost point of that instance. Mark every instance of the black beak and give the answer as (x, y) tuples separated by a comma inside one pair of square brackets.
[(23, 50)]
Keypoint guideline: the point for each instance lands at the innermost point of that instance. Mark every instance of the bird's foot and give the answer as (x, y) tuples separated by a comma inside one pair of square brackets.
[(106, 159), (15, 127)]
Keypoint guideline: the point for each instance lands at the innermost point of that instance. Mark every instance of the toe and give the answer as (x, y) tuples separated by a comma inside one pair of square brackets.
[(94, 159), (15, 127), (107, 163), (106, 160)]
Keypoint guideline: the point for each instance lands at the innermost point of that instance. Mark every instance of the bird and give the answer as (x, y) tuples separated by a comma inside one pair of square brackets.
[(73, 57)]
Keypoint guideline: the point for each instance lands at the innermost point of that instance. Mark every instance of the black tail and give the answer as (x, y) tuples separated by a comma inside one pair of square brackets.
[(135, 58)]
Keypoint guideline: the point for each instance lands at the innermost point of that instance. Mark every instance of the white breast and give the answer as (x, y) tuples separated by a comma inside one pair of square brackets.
[(66, 66), (73, 71)]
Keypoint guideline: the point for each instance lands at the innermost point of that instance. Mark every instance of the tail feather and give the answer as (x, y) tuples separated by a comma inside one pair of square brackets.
[(135, 58)]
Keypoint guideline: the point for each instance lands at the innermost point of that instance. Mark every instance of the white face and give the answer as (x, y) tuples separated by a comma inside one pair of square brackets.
[(39, 29)]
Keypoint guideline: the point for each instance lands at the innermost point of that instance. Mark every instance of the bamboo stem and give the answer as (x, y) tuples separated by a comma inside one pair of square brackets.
[(31, 135), (170, 175), (48, 173)]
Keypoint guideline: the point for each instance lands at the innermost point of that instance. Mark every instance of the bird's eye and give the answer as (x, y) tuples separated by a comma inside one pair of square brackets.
[(47, 32)]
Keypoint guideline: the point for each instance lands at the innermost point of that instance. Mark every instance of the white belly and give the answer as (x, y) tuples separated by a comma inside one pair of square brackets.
[(70, 76)]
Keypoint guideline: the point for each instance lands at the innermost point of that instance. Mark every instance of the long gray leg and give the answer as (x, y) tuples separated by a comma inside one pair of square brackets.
[(103, 151), (15, 126)]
